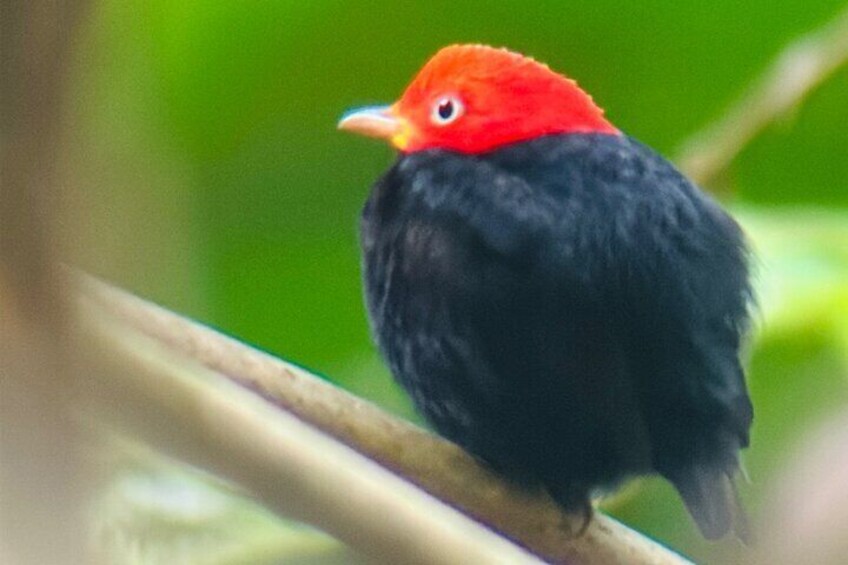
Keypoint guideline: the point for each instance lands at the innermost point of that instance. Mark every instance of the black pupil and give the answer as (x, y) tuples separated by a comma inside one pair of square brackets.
[(445, 109)]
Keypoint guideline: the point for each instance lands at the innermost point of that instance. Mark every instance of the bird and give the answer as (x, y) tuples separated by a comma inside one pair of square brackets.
[(555, 296)]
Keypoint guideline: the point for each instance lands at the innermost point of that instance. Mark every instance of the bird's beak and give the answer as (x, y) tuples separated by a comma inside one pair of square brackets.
[(376, 121)]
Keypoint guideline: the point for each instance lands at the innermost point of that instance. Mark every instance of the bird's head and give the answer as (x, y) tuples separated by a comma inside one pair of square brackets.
[(474, 98)]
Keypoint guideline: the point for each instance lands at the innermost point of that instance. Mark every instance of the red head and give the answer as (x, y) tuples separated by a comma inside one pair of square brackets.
[(473, 98)]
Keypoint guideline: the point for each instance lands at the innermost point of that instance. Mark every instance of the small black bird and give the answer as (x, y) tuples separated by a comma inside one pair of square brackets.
[(556, 297)]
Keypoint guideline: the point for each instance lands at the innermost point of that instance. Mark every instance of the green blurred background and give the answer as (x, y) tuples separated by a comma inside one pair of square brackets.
[(214, 181)]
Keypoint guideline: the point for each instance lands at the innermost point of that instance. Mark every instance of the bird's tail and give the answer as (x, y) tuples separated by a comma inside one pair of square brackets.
[(710, 496)]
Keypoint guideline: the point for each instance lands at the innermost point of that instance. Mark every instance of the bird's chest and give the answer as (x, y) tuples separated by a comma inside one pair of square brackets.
[(412, 266)]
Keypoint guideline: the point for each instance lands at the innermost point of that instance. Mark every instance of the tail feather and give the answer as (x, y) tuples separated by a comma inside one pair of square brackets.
[(710, 496)]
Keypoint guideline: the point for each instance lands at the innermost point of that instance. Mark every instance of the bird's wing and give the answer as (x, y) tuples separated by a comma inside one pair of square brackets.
[(680, 274)]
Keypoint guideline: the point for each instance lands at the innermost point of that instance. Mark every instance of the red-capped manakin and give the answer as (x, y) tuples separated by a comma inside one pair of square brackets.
[(555, 296)]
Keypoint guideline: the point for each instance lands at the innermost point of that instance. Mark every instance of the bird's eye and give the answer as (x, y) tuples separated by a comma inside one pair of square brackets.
[(446, 110)]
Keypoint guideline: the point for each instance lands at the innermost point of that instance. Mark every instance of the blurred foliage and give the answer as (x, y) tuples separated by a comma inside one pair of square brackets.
[(156, 511), (203, 133)]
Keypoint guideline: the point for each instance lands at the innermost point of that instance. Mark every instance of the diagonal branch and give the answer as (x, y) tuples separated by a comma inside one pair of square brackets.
[(437, 466), (144, 388), (802, 66)]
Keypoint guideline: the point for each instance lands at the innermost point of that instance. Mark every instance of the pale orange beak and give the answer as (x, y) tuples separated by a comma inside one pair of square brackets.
[(376, 121)]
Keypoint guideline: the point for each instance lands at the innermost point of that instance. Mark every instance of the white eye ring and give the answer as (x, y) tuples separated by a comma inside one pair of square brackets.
[(446, 110)]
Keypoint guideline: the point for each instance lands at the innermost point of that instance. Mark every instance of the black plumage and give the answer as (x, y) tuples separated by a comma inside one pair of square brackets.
[(568, 309)]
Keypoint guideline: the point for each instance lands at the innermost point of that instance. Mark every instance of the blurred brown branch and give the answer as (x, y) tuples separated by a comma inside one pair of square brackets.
[(802, 66), (150, 354), (806, 517), (40, 486)]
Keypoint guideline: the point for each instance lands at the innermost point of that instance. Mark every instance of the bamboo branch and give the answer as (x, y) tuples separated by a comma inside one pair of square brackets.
[(802, 66), (194, 413), (437, 466)]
